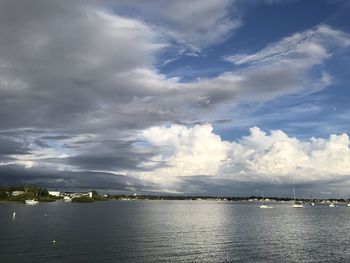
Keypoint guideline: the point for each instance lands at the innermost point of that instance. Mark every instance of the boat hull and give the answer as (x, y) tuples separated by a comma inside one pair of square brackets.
[(297, 206), (31, 202)]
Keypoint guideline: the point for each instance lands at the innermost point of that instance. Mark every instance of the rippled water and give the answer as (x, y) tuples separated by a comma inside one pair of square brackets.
[(173, 231)]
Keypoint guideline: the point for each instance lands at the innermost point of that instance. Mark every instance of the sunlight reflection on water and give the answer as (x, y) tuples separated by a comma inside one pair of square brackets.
[(173, 231)]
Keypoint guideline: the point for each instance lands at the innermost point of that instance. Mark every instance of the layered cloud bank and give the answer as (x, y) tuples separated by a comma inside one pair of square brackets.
[(87, 67), (172, 155)]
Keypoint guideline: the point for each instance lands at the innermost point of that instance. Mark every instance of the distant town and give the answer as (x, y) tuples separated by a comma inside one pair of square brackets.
[(40, 194)]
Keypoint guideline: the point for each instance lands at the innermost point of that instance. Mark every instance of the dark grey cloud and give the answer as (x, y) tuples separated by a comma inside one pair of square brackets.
[(60, 62), (109, 155), (105, 182), (10, 146)]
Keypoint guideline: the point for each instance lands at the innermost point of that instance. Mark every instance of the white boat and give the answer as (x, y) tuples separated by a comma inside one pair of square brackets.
[(31, 202), (296, 204), (331, 205), (264, 205), (67, 199), (348, 204), (311, 201)]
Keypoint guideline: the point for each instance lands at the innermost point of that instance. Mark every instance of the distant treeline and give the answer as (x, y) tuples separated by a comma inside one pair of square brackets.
[(25, 192), (198, 197), (36, 192)]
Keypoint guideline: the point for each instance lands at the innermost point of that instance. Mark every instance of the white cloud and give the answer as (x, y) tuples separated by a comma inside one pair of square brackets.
[(278, 157), (200, 23), (260, 157), (302, 49), (196, 24), (187, 151), (283, 68), (25, 163)]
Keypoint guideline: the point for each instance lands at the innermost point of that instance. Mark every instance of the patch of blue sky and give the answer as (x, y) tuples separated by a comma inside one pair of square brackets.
[(315, 115), (261, 26)]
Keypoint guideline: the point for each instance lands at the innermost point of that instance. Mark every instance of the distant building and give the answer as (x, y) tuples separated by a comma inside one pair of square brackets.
[(15, 193), (76, 194), (55, 193)]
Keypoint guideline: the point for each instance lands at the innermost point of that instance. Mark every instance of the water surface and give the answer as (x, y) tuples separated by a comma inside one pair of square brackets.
[(173, 231)]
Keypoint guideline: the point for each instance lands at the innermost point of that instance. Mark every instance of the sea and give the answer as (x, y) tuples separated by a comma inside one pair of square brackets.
[(173, 231)]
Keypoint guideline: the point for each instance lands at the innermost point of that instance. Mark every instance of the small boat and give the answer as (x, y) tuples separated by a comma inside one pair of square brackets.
[(311, 201), (67, 199), (348, 204), (31, 202), (264, 205), (331, 205), (296, 203)]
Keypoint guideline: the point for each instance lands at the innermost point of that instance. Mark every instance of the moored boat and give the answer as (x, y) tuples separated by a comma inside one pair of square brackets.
[(265, 206), (67, 199), (297, 204), (31, 202)]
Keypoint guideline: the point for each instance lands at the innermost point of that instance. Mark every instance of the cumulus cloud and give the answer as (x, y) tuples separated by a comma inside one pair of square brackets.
[(259, 157), (280, 158), (187, 151)]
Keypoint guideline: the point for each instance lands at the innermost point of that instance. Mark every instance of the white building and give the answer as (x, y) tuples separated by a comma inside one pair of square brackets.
[(55, 193), (15, 193), (76, 194)]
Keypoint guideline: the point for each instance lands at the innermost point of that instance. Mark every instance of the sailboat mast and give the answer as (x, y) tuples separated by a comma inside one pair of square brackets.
[(294, 194)]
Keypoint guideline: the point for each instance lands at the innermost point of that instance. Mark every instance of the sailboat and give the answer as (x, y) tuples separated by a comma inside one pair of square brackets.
[(297, 204), (311, 201), (264, 205)]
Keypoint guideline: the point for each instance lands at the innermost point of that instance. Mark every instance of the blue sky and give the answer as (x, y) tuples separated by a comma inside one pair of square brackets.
[(263, 24), (216, 97)]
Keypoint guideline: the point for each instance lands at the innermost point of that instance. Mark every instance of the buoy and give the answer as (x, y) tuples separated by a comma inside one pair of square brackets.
[(13, 215)]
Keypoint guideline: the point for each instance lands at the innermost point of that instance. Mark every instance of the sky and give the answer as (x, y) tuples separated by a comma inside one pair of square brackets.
[(200, 97)]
